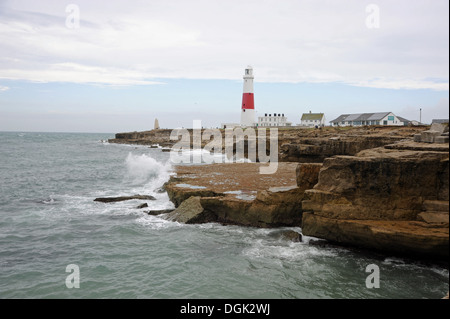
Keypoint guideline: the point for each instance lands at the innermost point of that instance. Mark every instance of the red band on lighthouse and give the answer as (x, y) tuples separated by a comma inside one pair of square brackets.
[(248, 101)]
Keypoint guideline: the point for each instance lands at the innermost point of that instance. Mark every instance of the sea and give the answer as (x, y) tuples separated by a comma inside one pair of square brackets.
[(56, 242)]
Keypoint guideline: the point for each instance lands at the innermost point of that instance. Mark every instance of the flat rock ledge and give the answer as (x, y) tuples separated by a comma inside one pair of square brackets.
[(236, 194)]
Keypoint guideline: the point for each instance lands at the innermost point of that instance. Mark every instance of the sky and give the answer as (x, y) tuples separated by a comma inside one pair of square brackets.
[(115, 66)]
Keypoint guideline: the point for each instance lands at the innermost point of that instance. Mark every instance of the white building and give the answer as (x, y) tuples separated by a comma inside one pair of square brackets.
[(275, 120), (312, 119), (359, 119)]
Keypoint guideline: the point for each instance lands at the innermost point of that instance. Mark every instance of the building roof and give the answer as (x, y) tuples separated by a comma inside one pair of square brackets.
[(403, 119), (341, 118), (312, 116), (361, 117), (440, 121)]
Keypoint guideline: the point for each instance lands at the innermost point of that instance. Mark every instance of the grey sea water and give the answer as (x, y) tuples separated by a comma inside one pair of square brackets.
[(48, 220)]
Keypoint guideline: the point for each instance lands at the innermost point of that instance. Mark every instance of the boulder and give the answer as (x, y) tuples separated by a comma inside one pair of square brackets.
[(179, 192), (286, 234), (191, 211), (158, 212), (291, 235), (433, 135), (438, 127), (429, 136)]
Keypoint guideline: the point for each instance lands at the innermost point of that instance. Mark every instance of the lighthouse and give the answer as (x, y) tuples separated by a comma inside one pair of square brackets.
[(248, 101)]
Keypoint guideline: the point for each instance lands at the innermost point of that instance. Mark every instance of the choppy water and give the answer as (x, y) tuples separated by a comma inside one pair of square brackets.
[(48, 220)]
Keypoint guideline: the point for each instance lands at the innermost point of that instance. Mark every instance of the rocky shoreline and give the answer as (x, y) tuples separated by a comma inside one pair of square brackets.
[(378, 188)]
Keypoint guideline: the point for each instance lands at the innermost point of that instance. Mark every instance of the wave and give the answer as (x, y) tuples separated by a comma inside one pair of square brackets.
[(144, 170)]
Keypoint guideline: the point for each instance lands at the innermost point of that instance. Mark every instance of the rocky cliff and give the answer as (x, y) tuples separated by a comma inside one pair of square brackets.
[(369, 187), (388, 198)]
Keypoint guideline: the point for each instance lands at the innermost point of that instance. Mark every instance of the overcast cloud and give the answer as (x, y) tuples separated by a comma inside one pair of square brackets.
[(142, 42)]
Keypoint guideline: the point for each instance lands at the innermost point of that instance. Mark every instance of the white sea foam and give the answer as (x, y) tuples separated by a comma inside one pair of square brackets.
[(262, 245), (48, 201), (143, 170), (156, 222), (393, 261), (440, 271), (291, 251)]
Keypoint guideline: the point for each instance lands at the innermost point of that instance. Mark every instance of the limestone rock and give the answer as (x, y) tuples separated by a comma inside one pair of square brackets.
[(429, 136), (434, 217), (238, 194), (436, 205), (382, 199), (286, 234), (278, 206), (315, 150), (178, 194), (291, 235), (441, 139), (401, 237), (433, 135), (308, 175), (387, 186), (191, 211), (438, 127), (123, 198), (158, 212), (272, 208)]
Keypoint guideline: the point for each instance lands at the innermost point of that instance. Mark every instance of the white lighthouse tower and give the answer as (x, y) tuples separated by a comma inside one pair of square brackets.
[(248, 101)]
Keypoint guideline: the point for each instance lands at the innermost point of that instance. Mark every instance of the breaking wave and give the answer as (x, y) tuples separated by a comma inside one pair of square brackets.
[(143, 170)]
